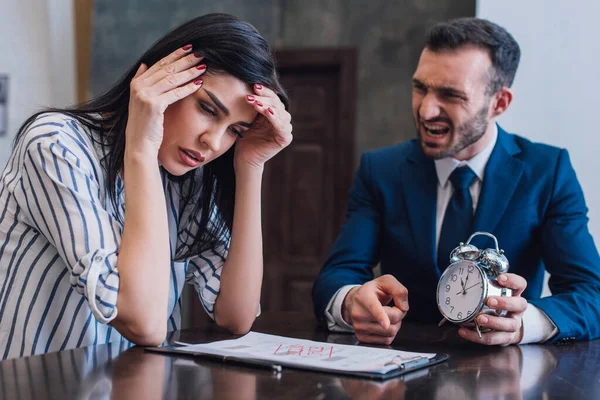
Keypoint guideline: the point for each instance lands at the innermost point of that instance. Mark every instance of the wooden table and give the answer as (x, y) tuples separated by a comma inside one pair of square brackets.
[(567, 371)]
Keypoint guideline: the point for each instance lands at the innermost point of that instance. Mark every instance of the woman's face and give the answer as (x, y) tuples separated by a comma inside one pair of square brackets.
[(201, 127)]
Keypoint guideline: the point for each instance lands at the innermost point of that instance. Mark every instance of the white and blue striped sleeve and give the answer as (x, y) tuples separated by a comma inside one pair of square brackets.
[(204, 272), (60, 196)]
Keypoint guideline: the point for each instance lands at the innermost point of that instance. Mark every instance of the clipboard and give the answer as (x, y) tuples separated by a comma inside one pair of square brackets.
[(402, 365)]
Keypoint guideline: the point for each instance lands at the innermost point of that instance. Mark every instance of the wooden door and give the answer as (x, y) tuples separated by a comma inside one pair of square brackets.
[(306, 186)]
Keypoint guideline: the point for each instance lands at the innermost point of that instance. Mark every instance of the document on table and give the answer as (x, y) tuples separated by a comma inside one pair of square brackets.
[(279, 351)]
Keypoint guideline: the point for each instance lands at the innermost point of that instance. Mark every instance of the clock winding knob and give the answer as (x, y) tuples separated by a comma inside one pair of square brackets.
[(495, 260), (464, 252)]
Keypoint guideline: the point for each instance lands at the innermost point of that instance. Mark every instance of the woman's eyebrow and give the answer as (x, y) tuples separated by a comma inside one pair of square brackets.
[(217, 102), (225, 110)]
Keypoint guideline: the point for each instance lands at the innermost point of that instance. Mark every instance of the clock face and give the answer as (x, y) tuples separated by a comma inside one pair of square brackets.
[(461, 291)]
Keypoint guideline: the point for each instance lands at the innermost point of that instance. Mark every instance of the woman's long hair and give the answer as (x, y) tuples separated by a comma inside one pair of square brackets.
[(229, 46)]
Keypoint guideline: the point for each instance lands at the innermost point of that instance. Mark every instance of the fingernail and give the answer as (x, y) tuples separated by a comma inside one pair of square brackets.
[(197, 55), (258, 86), (483, 320), (258, 103), (493, 302), (405, 305), (198, 82), (503, 278), (201, 67), (271, 111), (187, 47), (250, 97)]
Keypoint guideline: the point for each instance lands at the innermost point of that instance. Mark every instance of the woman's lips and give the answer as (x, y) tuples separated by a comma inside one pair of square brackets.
[(190, 157)]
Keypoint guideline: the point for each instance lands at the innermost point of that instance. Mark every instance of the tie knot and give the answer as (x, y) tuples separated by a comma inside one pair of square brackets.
[(462, 178)]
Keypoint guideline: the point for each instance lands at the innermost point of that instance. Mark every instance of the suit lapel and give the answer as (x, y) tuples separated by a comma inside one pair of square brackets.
[(419, 182), (502, 175)]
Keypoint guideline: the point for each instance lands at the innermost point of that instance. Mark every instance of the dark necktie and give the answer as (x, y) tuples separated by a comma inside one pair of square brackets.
[(458, 220)]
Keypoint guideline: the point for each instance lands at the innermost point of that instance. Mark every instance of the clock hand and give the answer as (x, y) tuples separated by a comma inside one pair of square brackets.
[(472, 286), (466, 280)]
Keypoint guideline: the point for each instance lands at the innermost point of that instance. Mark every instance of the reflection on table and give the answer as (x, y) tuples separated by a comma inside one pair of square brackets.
[(119, 371)]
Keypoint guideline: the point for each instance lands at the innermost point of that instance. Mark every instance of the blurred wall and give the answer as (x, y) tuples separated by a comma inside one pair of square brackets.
[(557, 85), (388, 35), (36, 47)]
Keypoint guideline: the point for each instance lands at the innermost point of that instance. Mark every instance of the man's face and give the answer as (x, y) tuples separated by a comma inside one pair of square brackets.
[(450, 105)]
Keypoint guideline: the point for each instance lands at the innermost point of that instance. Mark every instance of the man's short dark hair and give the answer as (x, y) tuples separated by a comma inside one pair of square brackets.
[(502, 47)]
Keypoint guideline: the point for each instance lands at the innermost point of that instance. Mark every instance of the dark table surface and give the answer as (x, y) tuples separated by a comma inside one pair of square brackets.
[(567, 371)]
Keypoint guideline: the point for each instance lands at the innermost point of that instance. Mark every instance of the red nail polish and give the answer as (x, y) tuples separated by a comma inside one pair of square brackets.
[(187, 47), (198, 82), (201, 67), (197, 55), (258, 86), (259, 103), (271, 111), (250, 97)]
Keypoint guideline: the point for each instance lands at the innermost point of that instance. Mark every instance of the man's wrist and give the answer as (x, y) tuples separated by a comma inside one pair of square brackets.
[(347, 305), (519, 334)]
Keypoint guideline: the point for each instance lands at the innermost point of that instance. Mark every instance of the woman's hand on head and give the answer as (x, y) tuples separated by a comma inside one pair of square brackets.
[(153, 89), (271, 131)]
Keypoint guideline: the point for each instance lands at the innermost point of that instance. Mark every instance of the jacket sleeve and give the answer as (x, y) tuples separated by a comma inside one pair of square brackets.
[(571, 258)]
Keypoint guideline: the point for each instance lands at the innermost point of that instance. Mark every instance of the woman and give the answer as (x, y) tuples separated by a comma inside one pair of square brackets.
[(109, 207)]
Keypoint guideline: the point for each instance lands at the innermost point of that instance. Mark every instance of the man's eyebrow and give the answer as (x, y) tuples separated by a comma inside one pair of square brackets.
[(225, 110), (217, 102), (441, 89), (417, 82), (447, 90)]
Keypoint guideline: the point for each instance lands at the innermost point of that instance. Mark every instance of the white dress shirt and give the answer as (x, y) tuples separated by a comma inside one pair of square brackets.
[(537, 327)]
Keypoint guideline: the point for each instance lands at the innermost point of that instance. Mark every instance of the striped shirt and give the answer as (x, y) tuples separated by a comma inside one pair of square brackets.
[(59, 240)]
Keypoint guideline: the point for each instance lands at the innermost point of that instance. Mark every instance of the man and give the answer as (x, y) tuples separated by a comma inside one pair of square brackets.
[(412, 203)]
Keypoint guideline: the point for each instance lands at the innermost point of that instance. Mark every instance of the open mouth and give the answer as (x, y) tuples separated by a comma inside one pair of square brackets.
[(191, 155), (191, 158), (435, 130)]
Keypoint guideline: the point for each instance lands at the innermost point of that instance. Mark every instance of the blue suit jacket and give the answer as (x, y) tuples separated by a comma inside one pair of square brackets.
[(530, 200)]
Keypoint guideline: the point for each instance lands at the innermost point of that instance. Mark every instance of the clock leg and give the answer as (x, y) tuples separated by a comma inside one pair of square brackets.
[(442, 322), (477, 329)]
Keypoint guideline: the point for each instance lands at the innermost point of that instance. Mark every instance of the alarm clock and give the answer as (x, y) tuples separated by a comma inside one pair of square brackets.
[(468, 282)]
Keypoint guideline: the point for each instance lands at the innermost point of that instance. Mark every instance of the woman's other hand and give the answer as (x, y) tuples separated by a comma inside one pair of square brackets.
[(153, 89), (271, 131)]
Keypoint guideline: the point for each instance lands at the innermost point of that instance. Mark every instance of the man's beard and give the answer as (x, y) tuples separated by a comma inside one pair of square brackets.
[(467, 134)]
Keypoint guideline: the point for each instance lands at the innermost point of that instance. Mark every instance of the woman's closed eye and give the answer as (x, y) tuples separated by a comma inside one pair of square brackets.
[(212, 113)]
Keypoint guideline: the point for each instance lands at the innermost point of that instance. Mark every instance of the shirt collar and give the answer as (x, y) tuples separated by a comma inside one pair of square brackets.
[(445, 166)]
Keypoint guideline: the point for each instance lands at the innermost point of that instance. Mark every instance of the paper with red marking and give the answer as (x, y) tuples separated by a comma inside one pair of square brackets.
[(307, 353)]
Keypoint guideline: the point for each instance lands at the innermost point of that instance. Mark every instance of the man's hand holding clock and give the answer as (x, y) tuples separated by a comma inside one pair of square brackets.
[(506, 330), (476, 291)]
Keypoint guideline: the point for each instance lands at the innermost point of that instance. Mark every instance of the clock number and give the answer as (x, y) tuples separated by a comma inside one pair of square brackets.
[(454, 277), (447, 288), (459, 316), (447, 300), (471, 268), (451, 311), (469, 313), (461, 271)]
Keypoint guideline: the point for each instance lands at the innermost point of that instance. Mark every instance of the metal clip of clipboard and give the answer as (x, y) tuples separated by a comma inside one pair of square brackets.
[(409, 364)]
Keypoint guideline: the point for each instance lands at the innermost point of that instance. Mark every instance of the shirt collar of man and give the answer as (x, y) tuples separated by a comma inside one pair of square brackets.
[(445, 166)]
